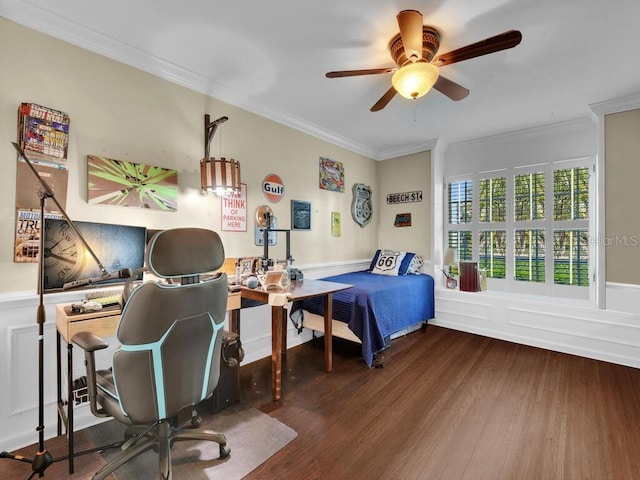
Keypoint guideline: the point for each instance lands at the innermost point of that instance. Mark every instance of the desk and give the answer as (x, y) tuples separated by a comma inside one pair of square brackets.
[(102, 323), (297, 291)]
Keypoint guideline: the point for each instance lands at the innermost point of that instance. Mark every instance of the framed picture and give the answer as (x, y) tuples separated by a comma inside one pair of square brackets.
[(300, 215), (129, 184), (402, 220), (336, 228), (331, 175)]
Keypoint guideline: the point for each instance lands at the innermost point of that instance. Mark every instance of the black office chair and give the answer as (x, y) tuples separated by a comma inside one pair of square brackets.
[(169, 358)]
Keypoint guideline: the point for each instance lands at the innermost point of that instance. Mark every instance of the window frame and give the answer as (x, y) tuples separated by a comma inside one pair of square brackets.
[(547, 224)]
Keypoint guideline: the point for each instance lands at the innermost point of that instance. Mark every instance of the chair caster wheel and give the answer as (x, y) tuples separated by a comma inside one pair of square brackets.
[(225, 451)]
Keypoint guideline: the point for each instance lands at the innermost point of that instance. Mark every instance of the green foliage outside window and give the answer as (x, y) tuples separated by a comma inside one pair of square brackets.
[(530, 255), (529, 196), (493, 249), (571, 194), (493, 200), (571, 257)]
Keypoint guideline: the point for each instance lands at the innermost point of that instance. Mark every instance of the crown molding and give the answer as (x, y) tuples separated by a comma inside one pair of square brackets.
[(49, 23), (407, 150), (616, 105)]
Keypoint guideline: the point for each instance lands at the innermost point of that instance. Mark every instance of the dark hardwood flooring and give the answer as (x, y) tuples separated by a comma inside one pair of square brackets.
[(446, 405)]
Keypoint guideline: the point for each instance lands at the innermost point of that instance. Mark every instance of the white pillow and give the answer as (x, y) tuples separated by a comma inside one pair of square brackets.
[(388, 263), (416, 264)]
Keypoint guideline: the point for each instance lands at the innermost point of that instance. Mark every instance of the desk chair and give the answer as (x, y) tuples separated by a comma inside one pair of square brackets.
[(169, 358)]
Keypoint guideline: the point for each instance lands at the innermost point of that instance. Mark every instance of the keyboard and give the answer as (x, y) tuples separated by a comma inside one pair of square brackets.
[(105, 297)]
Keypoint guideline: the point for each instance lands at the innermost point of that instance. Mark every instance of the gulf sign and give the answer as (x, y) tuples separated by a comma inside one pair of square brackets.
[(273, 188)]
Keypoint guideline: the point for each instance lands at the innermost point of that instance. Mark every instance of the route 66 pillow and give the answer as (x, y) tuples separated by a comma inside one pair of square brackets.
[(387, 262)]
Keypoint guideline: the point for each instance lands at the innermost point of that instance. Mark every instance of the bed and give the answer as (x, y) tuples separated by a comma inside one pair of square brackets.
[(373, 310)]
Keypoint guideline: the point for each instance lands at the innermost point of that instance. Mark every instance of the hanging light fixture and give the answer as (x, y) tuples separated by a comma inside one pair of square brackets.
[(219, 175), (415, 79)]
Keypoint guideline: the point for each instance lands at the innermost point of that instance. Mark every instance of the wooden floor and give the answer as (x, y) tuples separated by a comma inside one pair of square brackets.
[(446, 405)]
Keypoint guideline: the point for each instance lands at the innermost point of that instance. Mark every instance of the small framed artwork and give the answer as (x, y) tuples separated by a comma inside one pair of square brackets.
[(402, 220), (336, 226), (300, 215), (331, 175)]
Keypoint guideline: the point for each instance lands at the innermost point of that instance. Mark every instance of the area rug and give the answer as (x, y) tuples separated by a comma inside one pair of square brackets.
[(252, 436)]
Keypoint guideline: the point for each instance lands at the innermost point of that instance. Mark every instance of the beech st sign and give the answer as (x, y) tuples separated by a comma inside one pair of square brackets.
[(406, 197)]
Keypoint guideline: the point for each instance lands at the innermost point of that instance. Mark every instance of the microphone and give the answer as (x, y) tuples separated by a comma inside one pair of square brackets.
[(124, 273)]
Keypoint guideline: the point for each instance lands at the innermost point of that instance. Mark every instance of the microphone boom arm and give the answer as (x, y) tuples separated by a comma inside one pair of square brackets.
[(48, 192)]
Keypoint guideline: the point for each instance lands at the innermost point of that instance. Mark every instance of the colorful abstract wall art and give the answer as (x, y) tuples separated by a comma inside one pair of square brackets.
[(129, 184)]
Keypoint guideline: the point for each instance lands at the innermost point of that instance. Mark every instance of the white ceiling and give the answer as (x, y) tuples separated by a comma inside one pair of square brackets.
[(270, 57)]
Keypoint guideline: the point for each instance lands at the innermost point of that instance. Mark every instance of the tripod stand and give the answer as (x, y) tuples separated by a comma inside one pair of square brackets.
[(42, 458)]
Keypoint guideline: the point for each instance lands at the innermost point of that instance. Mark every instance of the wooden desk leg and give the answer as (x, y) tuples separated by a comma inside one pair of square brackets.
[(234, 316), (276, 352), (328, 334), (70, 404)]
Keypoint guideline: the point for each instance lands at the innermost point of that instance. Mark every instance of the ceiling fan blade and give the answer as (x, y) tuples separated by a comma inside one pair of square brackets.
[(410, 23), (384, 100), (450, 88), (353, 73), (489, 45)]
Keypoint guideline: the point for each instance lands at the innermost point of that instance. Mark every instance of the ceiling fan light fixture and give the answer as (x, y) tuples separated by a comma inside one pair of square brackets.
[(415, 79)]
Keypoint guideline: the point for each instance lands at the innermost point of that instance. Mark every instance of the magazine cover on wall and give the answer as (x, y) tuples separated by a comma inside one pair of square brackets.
[(43, 134), (300, 215), (129, 184), (233, 213), (331, 175), (28, 225)]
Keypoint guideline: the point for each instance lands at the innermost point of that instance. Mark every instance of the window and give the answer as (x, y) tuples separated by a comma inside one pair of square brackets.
[(571, 194), (460, 202), (529, 196), (571, 257), (492, 252), (529, 252), (506, 222), (493, 200)]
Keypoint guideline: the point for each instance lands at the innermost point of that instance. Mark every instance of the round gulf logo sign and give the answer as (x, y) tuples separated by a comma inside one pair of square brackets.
[(273, 188)]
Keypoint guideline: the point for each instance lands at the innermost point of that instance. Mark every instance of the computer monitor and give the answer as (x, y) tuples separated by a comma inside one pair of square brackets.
[(67, 260)]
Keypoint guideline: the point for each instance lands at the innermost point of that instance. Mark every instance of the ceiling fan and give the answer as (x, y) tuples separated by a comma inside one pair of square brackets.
[(413, 49)]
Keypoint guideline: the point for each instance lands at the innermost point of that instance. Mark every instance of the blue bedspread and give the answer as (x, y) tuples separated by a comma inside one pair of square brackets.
[(376, 307)]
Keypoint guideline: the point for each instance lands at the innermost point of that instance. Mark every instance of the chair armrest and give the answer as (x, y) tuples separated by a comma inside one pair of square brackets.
[(89, 342)]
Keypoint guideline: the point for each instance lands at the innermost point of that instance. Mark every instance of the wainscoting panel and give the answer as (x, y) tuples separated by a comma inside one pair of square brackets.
[(463, 310), (23, 377), (579, 329)]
